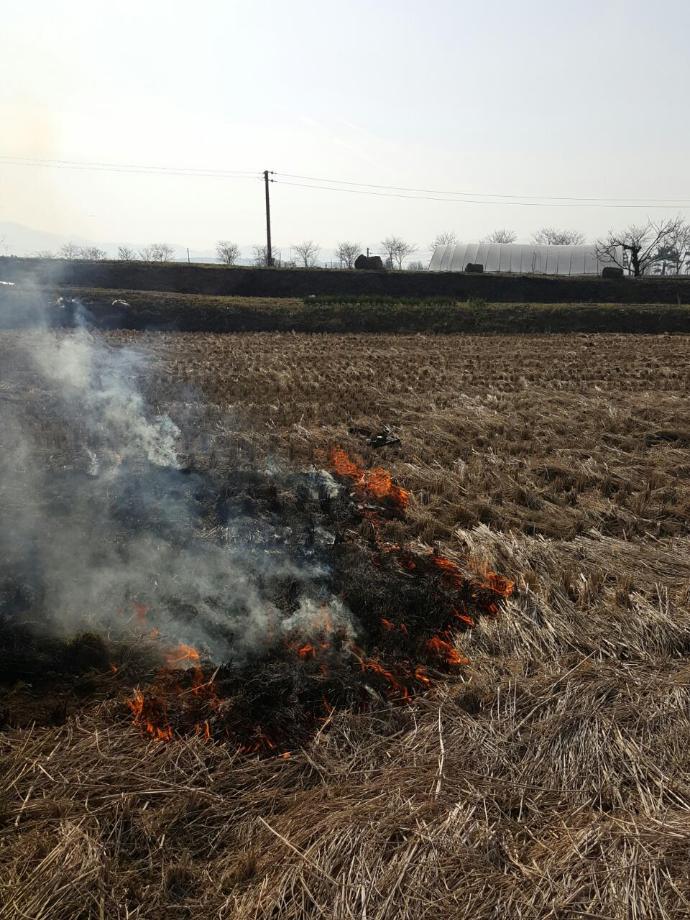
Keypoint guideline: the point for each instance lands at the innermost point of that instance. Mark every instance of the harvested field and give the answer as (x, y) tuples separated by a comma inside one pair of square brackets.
[(548, 777)]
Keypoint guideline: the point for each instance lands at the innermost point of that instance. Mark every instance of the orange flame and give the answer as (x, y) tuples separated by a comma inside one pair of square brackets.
[(421, 675), (499, 584), (193, 698), (137, 706), (378, 483), (446, 652), (182, 653), (203, 729), (262, 743)]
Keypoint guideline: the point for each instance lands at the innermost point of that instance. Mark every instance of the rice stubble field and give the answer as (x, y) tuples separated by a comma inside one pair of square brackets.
[(549, 778)]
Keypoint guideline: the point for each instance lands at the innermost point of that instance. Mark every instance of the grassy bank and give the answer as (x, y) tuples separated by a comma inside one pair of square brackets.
[(246, 281), (139, 310)]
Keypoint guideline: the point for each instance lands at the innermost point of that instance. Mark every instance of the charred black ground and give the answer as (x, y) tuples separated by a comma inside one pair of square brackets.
[(402, 610)]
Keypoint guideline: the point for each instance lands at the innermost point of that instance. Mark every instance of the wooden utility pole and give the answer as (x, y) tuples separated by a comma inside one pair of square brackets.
[(269, 252)]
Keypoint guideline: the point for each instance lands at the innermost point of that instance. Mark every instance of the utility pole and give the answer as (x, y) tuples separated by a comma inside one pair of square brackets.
[(269, 252)]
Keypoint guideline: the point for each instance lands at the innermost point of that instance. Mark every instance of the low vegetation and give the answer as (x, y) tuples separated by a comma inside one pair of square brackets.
[(141, 310)]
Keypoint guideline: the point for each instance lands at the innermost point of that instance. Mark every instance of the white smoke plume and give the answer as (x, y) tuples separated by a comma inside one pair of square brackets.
[(89, 546)]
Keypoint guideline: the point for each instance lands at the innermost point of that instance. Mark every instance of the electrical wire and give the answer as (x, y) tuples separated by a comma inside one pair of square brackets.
[(562, 203), (355, 188), (432, 191), (130, 168)]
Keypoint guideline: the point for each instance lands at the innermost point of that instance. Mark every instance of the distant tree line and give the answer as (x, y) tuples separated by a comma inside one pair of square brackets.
[(656, 247), (155, 252)]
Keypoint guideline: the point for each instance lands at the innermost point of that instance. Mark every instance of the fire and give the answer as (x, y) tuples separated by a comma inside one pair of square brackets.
[(377, 483), (136, 704), (181, 654), (408, 640), (421, 675), (466, 619), (262, 744), (499, 584), (449, 570), (344, 466), (204, 730), (490, 581), (446, 652), (151, 716)]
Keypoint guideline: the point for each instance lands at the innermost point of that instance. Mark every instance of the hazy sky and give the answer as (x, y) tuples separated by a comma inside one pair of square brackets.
[(532, 98)]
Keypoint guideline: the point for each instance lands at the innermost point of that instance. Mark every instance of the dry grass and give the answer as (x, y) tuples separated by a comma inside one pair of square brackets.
[(552, 781)]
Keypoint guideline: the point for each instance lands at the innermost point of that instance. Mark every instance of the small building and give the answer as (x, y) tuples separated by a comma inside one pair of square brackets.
[(529, 259)]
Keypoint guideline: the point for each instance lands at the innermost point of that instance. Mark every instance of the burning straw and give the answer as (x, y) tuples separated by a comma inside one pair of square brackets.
[(388, 632)]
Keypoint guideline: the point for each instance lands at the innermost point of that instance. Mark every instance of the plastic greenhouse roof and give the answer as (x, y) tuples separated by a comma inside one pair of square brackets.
[(520, 259)]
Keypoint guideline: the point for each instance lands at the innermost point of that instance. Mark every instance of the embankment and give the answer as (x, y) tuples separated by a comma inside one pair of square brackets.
[(241, 281)]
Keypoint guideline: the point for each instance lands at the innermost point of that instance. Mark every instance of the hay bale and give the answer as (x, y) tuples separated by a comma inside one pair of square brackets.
[(370, 263), (612, 271), (475, 268)]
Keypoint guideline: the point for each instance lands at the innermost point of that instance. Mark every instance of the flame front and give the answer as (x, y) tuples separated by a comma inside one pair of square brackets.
[(377, 483), (403, 651), (181, 655), (151, 716)]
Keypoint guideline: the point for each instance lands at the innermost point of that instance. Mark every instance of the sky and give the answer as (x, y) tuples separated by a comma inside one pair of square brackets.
[(538, 98)]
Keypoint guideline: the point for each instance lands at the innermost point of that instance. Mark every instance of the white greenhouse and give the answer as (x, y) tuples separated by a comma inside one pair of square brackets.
[(519, 259)]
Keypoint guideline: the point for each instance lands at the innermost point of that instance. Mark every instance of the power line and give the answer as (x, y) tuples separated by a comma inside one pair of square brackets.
[(539, 198), (131, 168), (546, 203), (358, 188)]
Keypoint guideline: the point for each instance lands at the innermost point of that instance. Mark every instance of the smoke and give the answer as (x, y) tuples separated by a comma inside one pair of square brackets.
[(99, 519)]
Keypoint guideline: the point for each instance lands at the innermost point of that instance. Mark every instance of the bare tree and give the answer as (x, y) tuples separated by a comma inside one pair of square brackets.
[(261, 256), (503, 237), (417, 266), (347, 253), (444, 239), (227, 252), (162, 252), (157, 252), (93, 253), (70, 251), (673, 257), (549, 236), (307, 251), (126, 254), (397, 250), (637, 248), (44, 254)]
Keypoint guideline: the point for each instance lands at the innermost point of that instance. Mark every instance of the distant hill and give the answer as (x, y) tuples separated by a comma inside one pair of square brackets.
[(16, 239)]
